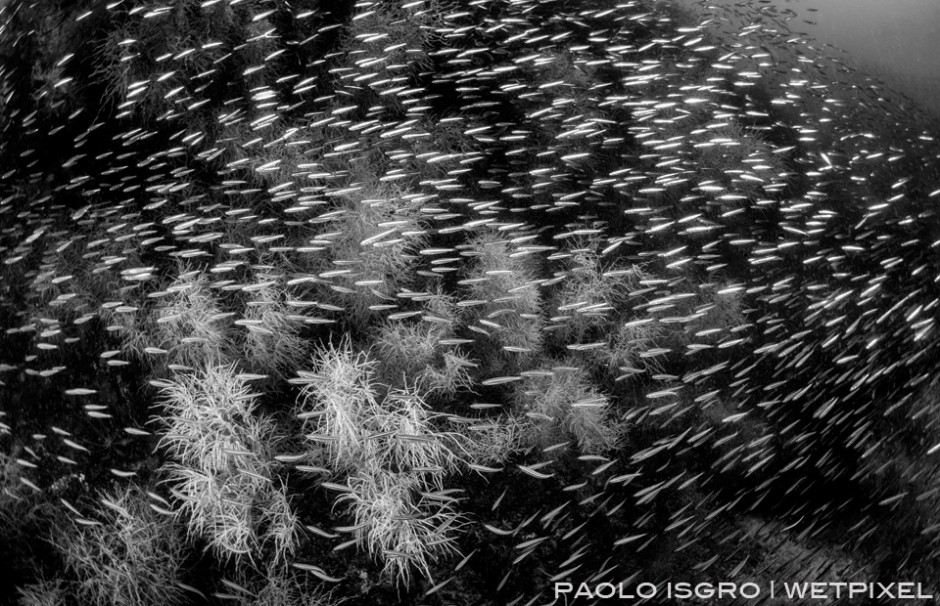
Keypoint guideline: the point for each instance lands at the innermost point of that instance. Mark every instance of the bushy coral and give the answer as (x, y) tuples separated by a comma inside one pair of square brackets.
[(223, 477), (494, 441), (592, 296), (387, 443), (409, 441), (46, 592), (212, 423), (397, 521), (338, 399), (563, 405), (128, 556), (283, 589), (190, 323), (415, 352), (273, 343), (372, 240), (503, 283), (633, 349)]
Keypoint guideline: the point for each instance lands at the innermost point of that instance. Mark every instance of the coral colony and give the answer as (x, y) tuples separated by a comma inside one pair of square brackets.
[(470, 302)]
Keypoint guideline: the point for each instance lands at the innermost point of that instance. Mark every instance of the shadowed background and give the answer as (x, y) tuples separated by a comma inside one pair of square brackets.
[(897, 41)]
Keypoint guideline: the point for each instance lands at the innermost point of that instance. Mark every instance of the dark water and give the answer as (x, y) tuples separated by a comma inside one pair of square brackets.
[(897, 41)]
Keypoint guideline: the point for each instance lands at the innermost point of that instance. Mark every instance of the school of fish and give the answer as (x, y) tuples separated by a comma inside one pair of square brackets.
[(699, 225)]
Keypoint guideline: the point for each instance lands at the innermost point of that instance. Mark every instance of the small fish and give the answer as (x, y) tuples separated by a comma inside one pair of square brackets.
[(532, 471), (316, 571)]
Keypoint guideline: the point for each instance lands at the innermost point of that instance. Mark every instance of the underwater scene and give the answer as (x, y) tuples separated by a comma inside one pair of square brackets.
[(463, 302)]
